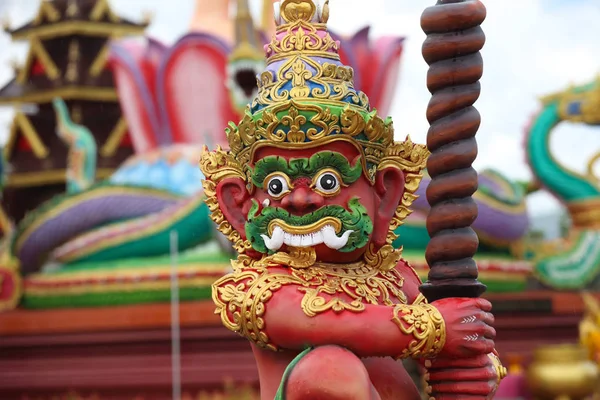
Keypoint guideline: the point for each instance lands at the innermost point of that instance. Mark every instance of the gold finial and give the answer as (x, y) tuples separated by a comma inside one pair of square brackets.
[(298, 10)]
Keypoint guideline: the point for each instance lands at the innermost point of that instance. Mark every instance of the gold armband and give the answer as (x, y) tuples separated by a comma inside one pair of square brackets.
[(425, 323)]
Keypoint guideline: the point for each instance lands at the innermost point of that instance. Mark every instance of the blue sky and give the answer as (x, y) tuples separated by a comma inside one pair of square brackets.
[(534, 47)]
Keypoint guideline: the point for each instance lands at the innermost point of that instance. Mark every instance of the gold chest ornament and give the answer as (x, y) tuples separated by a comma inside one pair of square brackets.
[(241, 297)]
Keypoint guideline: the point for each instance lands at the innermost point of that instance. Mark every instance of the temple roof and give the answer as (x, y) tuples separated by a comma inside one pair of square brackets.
[(67, 17)]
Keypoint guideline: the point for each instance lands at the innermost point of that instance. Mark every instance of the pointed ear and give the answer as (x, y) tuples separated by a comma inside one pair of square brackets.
[(389, 186), (234, 202)]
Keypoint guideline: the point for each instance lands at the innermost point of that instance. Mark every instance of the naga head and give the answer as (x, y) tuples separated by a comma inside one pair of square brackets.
[(312, 174)]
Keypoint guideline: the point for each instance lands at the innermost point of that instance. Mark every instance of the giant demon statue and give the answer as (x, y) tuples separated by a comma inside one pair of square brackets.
[(310, 193)]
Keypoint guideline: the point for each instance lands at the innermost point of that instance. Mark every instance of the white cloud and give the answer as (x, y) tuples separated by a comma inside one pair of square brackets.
[(530, 51)]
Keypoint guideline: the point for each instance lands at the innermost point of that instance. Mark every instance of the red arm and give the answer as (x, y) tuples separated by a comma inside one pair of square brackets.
[(266, 306), (371, 332)]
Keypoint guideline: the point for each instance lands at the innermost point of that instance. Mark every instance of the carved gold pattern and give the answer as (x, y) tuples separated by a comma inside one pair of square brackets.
[(425, 323), (241, 296), (335, 83), (216, 166), (384, 259), (301, 37), (295, 257), (268, 129), (411, 159)]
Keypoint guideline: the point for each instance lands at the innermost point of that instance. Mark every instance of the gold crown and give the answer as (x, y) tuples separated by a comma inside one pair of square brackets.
[(301, 27), (307, 96)]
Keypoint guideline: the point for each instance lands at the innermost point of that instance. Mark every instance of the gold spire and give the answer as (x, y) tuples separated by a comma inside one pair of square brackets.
[(245, 32)]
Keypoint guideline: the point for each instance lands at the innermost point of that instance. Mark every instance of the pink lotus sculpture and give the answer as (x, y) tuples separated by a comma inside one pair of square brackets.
[(174, 95)]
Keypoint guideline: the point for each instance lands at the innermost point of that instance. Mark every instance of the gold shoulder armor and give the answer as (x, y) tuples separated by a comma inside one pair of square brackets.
[(240, 299)]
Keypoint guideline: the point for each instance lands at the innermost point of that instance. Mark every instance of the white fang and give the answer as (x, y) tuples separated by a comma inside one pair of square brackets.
[(325, 235)]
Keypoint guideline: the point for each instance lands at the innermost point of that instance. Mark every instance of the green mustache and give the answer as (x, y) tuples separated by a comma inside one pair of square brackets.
[(355, 219)]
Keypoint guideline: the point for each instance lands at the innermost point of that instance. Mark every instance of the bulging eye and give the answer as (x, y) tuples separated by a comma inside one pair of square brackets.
[(327, 182), (277, 186)]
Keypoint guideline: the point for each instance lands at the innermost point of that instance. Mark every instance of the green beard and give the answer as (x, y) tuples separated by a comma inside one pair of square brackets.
[(356, 220)]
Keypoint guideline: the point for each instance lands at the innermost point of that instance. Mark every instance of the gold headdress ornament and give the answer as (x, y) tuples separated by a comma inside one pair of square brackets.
[(306, 98)]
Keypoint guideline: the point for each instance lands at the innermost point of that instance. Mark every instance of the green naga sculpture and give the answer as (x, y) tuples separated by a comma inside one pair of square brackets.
[(81, 166), (572, 262)]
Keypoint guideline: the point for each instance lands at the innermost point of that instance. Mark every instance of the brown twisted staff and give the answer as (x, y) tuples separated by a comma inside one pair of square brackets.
[(454, 39)]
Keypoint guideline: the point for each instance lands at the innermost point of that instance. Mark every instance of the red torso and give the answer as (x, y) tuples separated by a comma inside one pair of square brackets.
[(388, 375)]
